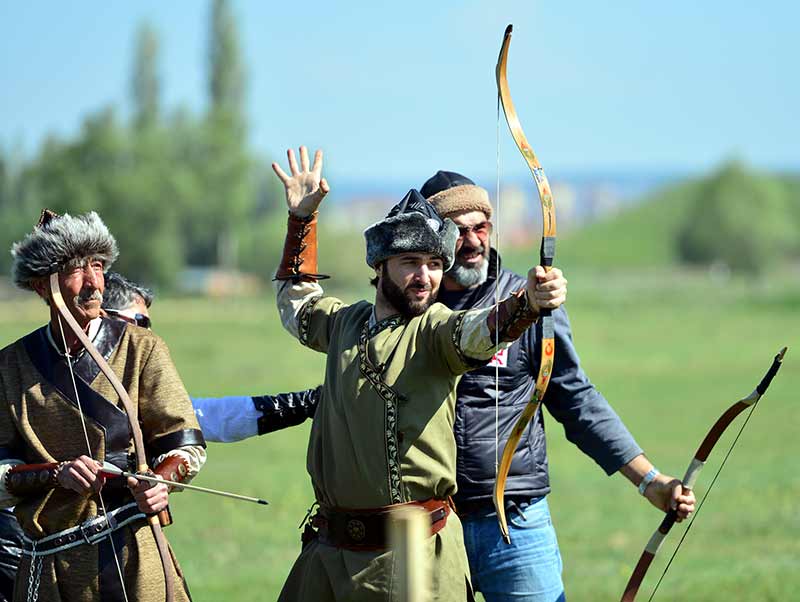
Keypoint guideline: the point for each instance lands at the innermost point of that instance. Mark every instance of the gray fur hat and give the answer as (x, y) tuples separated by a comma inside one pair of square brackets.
[(412, 226), (56, 242)]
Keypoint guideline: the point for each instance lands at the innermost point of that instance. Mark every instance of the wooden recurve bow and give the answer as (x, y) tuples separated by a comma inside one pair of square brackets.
[(689, 480), (133, 420), (546, 255)]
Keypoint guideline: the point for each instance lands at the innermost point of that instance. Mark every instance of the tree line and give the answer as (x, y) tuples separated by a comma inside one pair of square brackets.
[(176, 189), (741, 220), (179, 189)]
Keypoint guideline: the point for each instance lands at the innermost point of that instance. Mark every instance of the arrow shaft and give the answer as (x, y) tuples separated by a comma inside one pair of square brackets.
[(236, 496)]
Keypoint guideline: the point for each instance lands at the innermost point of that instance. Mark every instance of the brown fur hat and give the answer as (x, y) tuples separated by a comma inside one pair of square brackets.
[(450, 192)]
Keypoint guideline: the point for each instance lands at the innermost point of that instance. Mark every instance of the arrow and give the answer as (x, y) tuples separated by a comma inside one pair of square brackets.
[(113, 471)]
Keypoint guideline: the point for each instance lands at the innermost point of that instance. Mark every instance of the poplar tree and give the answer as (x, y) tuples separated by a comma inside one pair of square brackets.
[(229, 183), (145, 82)]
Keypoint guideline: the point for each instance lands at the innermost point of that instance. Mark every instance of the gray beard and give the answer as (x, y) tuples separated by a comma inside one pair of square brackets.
[(469, 277)]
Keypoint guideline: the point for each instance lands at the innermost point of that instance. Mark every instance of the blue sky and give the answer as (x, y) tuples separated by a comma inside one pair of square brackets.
[(399, 90)]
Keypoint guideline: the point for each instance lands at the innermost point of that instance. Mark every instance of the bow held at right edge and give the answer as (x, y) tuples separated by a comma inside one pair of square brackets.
[(692, 473)]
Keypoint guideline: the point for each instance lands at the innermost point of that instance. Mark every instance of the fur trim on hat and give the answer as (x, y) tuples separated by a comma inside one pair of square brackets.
[(458, 199), (57, 243), (410, 233)]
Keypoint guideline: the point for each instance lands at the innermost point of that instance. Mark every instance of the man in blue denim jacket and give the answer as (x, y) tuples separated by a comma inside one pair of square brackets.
[(529, 568)]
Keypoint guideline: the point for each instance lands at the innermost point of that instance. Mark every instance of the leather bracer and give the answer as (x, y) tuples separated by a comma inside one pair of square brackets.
[(25, 480), (299, 261), (173, 468), (285, 409), (511, 317)]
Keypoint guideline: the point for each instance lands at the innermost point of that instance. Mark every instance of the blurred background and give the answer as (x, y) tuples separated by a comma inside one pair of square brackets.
[(670, 137)]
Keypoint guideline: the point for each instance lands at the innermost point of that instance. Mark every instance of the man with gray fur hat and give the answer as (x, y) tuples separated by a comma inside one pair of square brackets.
[(532, 561), (88, 538), (382, 435)]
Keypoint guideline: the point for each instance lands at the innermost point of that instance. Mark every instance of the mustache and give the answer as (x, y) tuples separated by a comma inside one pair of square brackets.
[(83, 298), (464, 250), (420, 287)]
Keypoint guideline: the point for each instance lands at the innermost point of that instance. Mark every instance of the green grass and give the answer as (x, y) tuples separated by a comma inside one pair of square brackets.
[(670, 350)]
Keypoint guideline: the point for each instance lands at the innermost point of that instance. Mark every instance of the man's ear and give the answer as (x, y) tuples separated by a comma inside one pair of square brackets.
[(42, 287), (378, 271)]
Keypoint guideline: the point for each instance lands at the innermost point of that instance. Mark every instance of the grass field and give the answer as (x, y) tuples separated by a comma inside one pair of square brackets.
[(670, 351)]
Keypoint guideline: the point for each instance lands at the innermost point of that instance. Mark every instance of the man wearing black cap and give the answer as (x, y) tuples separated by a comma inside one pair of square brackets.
[(531, 563), (382, 435)]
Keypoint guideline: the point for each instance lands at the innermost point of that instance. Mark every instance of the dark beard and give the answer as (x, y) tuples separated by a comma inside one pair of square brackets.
[(398, 299)]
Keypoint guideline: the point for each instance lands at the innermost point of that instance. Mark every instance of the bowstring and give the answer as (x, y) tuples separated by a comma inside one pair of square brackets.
[(91, 455), (496, 299), (703, 499)]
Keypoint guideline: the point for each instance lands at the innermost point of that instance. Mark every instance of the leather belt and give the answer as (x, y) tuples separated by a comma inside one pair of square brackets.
[(89, 532), (366, 529)]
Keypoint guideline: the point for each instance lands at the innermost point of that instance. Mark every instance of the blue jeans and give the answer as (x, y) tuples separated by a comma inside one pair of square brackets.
[(527, 570)]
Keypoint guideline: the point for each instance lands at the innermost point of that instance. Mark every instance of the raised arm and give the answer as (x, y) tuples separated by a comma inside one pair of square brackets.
[(297, 288), (305, 188)]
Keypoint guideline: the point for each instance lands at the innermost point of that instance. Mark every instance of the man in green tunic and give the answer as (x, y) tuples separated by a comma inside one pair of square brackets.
[(59, 418), (383, 431)]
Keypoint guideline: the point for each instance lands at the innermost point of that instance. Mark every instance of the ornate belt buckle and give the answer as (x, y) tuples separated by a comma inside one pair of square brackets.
[(356, 530)]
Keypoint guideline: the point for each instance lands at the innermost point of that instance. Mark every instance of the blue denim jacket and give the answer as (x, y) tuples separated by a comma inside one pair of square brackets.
[(587, 418)]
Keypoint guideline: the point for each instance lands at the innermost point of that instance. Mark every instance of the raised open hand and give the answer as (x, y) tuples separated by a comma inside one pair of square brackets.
[(305, 188)]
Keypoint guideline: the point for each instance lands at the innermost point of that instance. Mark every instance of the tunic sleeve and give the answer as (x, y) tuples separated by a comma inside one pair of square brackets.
[(194, 455), (476, 339), (306, 314), (461, 338), (165, 411)]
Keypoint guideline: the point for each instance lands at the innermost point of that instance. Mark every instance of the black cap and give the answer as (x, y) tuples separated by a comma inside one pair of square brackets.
[(442, 180)]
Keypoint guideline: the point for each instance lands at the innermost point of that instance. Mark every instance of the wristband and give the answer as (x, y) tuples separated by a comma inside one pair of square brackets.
[(648, 478)]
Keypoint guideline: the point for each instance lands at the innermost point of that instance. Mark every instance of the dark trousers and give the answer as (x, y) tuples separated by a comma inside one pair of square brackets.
[(10, 552)]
